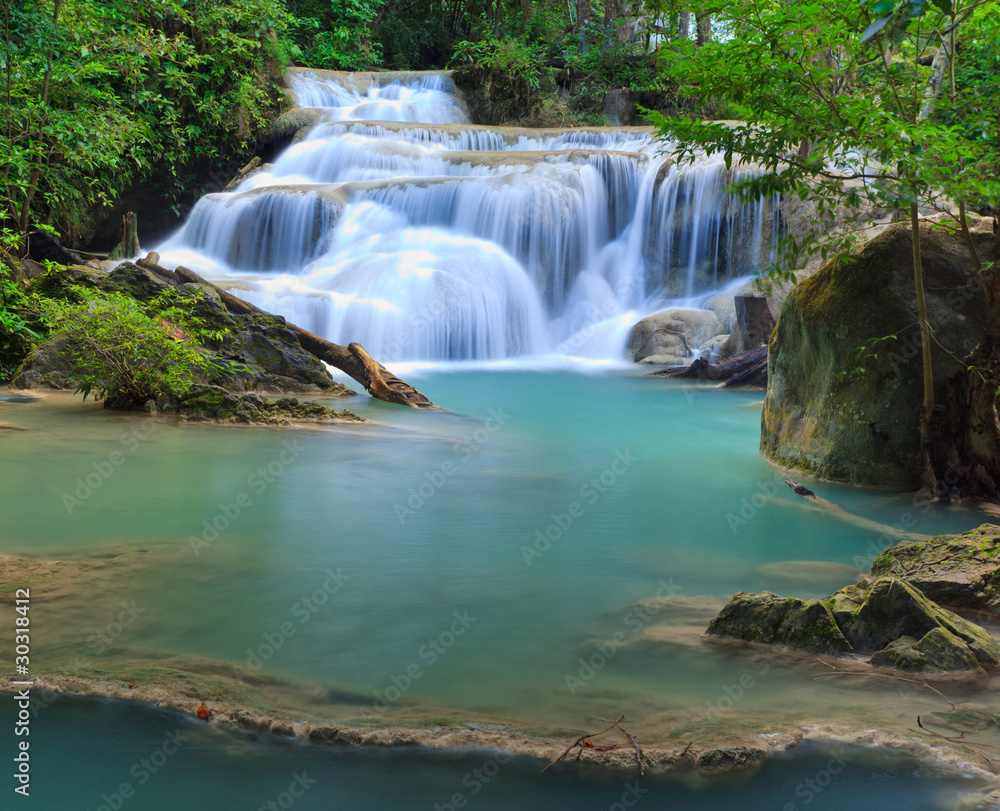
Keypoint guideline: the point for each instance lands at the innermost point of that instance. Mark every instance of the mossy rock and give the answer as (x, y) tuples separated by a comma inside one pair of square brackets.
[(733, 757), (962, 571), (215, 404), (894, 609), (888, 618), (257, 352), (938, 650), (767, 618), (841, 416)]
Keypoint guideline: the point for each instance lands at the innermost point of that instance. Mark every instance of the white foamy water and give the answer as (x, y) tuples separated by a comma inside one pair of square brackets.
[(397, 224)]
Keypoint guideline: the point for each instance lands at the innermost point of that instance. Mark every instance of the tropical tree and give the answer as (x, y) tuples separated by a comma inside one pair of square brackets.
[(837, 110)]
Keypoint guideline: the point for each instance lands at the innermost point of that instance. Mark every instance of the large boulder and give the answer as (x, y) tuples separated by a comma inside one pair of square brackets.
[(939, 649), (769, 619), (961, 571), (844, 375), (893, 609), (888, 619), (672, 337)]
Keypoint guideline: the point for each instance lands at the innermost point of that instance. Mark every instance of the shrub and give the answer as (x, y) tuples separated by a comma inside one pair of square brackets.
[(126, 353)]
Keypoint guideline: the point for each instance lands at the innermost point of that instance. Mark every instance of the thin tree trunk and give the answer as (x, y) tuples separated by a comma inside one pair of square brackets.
[(927, 408), (684, 24), (939, 68), (704, 22)]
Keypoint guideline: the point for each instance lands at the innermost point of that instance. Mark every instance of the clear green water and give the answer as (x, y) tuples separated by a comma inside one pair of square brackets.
[(339, 503), (85, 751)]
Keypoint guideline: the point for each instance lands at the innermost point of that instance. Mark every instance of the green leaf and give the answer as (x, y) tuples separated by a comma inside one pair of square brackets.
[(875, 27)]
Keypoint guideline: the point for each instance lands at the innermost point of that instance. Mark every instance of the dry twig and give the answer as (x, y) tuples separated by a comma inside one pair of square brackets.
[(583, 742)]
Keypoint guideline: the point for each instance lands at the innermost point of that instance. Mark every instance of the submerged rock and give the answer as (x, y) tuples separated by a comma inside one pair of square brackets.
[(212, 403), (962, 571), (734, 757), (844, 375), (887, 618)]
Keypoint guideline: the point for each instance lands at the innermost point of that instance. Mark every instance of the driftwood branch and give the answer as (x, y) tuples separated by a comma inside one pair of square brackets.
[(583, 742), (836, 672), (378, 381), (747, 369), (836, 511), (580, 740)]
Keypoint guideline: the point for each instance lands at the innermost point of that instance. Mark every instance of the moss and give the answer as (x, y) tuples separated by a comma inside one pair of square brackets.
[(843, 395)]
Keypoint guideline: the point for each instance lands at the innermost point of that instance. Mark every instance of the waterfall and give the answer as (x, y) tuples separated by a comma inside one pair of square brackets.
[(398, 224)]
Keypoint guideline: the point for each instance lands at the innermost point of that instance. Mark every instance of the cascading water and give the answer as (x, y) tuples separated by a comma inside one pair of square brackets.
[(397, 224)]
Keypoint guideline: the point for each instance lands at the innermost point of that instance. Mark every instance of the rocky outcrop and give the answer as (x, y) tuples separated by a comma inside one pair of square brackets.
[(888, 619), (215, 404), (767, 618), (255, 352), (672, 337), (939, 649), (960, 571), (844, 374)]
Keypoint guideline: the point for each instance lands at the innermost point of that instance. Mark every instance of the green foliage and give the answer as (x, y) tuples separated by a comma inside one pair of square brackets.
[(16, 335), (125, 352), (617, 60), (338, 34), (509, 74), (805, 78), (96, 93)]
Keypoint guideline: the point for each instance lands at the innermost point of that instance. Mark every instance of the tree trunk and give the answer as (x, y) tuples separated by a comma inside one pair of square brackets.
[(378, 381), (927, 408), (582, 22), (684, 25), (753, 320), (128, 241), (939, 68), (704, 22)]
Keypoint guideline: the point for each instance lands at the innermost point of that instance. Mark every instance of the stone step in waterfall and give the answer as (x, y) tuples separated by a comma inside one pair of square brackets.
[(395, 222)]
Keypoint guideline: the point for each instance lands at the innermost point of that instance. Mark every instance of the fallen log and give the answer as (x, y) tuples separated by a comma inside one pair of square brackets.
[(838, 512), (378, 381), (746, 369)]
